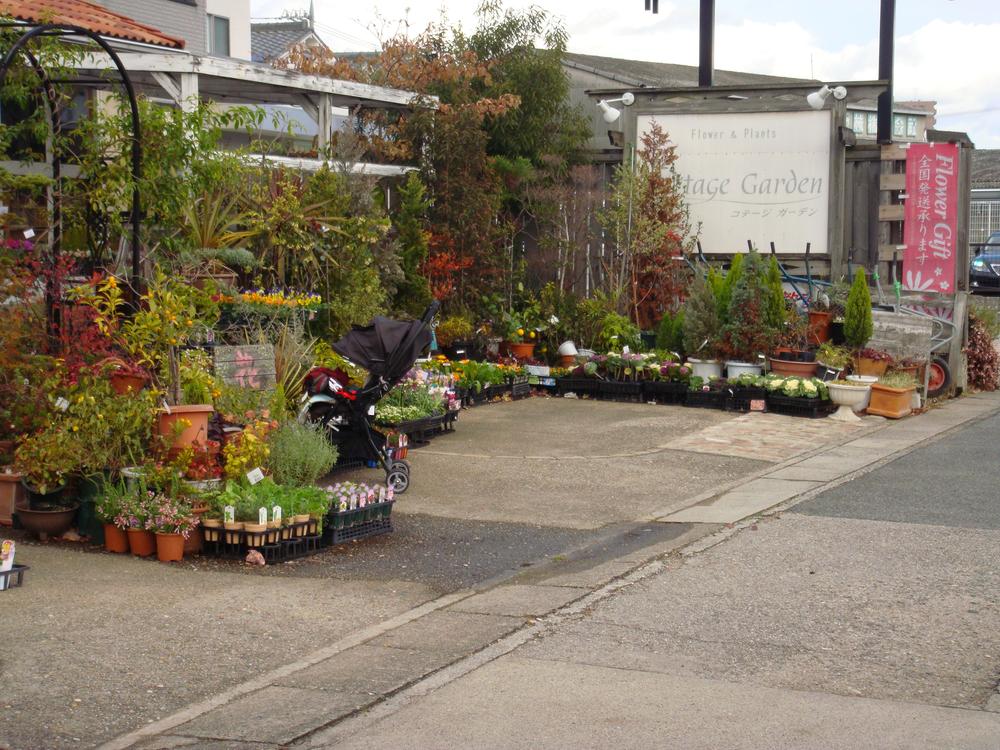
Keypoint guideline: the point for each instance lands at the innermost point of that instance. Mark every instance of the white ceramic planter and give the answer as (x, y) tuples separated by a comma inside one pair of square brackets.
[(735, 369), (706, 368), (850, 399)]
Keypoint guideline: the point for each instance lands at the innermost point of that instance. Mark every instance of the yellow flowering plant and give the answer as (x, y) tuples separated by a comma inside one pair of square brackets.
[(249, 449)]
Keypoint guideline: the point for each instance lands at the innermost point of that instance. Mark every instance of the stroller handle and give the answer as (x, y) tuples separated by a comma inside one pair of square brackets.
[(431, 311)]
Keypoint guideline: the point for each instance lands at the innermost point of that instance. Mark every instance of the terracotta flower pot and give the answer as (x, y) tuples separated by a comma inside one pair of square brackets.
[(567, 360), (524, 350), (142, 543), (122, 383), (11, 495), (195, 423), (115, 539), (788, 367), (169, 547), (819, 326), (866, 366), (893, 403)]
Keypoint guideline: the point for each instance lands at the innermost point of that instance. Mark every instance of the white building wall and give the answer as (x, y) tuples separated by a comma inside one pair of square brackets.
[(238, 13)]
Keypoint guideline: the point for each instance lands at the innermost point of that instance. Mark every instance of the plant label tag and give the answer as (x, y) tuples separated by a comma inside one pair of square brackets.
[(229, 514), (362, 501), (381, 494), (29, 233), (276, 514), (371, 410), (354, 502), (371, 496), (256, 475), (390, 494), (758, 404), (62, 404), (626, 350), (262, 515)]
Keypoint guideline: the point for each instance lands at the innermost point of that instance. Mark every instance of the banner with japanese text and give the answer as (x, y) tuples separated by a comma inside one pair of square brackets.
[(930, 219)]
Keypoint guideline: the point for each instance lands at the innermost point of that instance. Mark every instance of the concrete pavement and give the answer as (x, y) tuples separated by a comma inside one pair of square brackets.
[(364, 672)]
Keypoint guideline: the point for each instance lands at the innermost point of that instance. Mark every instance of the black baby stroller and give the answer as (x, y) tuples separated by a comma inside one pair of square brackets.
[(387, 349)]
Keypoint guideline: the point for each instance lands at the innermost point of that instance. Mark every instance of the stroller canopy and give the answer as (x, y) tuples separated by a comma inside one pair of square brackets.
[(386, 348)]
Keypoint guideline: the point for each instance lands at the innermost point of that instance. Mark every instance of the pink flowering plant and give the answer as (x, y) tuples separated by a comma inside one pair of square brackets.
[(168, 515), (351, 495)]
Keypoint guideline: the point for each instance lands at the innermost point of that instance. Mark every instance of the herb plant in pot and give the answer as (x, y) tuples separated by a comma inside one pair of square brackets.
[(111, 509), (892, 395), (702, 330)]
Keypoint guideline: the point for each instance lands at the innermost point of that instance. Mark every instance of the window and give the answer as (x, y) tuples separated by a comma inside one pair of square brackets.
[(218, 36), (872, 123), (898, 125), (911, 126), (859, 122)]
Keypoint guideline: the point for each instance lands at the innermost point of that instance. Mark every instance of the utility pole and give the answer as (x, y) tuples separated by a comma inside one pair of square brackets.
[(706, 40), (886, 41)]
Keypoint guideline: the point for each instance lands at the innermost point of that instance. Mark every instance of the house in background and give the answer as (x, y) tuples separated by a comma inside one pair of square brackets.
[(203, 54), (911, 120), (272, 39), (985, 203)]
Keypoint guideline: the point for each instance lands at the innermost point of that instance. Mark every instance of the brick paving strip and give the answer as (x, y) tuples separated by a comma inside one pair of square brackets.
[(378, 670)]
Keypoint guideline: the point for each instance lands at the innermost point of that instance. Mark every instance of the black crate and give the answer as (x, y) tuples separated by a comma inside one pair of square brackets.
[(617, 390), (813, 408), (664, 392), (357, 531), (738, 398), (13, 578), (704, 399), (520, 390), (579, 386)]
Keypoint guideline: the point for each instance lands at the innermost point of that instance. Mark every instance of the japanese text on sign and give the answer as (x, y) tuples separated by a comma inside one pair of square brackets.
[(930, 218)]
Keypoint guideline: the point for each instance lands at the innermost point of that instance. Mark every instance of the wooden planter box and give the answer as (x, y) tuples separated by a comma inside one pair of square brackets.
[(893, 403)]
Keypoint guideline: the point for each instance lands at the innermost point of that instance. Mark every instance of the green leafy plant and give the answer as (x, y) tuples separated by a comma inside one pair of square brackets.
[(898, 380), (670, 333), (454, 328), (300, 454), (834, 356), (858, 325), (748, 330), (701, 321), (47, 459)]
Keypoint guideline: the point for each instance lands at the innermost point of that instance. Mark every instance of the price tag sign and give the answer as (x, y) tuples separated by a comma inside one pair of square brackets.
[(255, 476), (62, 404), (758, 404), (29, 233), (381, 494)]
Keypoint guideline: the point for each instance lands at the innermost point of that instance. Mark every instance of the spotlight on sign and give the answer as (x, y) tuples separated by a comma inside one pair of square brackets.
[(609, 113), (818, 98)]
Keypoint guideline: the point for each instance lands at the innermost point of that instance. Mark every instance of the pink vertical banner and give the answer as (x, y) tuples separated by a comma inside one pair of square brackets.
[(930, 218)]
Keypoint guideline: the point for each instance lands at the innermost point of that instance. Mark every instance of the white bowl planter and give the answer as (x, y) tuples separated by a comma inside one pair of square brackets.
[(735, 369), (850, 399), (705, 368)]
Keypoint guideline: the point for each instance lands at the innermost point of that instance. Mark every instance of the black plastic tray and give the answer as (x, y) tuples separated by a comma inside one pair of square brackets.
[(813, 408), (13, 578), (664, 392)]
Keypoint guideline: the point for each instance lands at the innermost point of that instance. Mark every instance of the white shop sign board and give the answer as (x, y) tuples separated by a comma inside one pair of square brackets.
[(762, 176)]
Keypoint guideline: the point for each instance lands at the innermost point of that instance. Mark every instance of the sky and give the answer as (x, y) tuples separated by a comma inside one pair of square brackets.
[(945, 49)]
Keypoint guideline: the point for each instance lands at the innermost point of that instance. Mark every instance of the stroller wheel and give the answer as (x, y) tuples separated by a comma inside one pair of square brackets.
[(398, 476)]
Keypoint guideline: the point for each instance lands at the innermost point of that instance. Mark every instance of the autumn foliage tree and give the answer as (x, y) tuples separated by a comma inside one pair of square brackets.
[(649, 222), (498, 92)]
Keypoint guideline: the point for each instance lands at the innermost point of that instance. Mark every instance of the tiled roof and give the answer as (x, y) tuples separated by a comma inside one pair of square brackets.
[(986, 168), (269, 41), (88, 16), (662, 75)]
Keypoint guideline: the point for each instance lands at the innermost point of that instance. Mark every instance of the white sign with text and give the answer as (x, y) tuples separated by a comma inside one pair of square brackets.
[(759, 176)]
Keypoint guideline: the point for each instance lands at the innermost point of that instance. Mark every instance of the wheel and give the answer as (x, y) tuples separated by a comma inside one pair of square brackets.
[(939, 379), (398, 476)]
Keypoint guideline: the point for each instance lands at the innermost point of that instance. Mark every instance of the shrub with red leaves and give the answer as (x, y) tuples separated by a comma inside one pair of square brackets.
[(984, 363)]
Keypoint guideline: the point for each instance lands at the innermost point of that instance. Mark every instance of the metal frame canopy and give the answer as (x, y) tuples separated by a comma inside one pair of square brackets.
[(68, 32), (185, 77)]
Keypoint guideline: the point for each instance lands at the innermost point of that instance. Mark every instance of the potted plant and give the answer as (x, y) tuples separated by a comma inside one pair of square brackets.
[(870, 361), (11, 494), (111, 505), (172, 521), (125, 377), (835, 359), (45, 461), (454, 336), (820, 318), (850, 397), (808, 397), (702, 328), (793, 357), (750, 329), (892, 395), (135, 518), (858, 324)]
